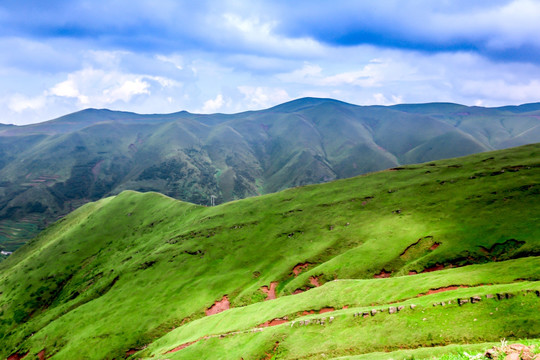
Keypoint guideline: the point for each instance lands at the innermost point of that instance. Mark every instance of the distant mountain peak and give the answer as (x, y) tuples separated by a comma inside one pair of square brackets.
[(303, 103)]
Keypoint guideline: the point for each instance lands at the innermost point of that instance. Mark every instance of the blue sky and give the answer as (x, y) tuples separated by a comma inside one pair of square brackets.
[(58, 57)]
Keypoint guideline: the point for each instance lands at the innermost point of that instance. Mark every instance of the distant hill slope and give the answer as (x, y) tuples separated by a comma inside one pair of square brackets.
[(51, 168), (146, 273)]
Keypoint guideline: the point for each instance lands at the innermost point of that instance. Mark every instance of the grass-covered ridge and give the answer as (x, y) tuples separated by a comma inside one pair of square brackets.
[(49, 169), (124, 272)]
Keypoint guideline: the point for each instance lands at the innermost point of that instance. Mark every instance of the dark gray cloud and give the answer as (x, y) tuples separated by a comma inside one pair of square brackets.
[(501, 29)]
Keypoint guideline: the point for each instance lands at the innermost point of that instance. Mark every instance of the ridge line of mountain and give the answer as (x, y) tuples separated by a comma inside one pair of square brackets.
[(49, 169)]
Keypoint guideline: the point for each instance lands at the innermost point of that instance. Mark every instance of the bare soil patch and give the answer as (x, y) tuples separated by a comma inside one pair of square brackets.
[(314, 281), (443, 289), (219, 306), (325, 310), (183, 346), (382, 274), (270, 292), (297, 269), (274, 322)]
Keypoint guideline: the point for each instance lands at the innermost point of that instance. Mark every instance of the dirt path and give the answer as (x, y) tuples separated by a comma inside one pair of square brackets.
[(442, 289)]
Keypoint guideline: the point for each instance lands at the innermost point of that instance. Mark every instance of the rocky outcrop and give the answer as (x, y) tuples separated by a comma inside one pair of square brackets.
[(512, 352)]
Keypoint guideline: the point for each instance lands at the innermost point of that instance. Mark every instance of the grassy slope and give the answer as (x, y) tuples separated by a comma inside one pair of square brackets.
[(387, 332), (124, 271)]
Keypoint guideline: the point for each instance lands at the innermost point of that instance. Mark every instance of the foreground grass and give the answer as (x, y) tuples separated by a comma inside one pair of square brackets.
[(123, 272), (364, 295), (449, 352), (425, 325)]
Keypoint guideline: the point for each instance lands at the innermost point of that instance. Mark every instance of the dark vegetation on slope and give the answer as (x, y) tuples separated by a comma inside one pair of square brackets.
[(144, 272), (52, 168)]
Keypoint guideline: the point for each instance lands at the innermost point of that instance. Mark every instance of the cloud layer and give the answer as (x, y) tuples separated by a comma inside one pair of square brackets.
[(227, 56)]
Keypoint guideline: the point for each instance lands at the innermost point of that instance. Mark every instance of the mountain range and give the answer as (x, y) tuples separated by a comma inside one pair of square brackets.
[(51, 168)]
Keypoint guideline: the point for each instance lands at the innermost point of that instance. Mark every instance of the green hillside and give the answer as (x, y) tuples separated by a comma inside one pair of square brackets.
[(51, 168), (145, 275)]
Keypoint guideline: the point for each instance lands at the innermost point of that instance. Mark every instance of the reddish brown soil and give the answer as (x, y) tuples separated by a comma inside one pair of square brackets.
[(41, 355), (345, 306), (436, 267), (273, 322), (270, 293), (412, 272), (382, 274), (219, 306), (131, 352), (298, 291), (305, 312), (314, 281), (297, 269), (16, 356), (447, 288), (434, 246), (183, 346), (325, 310)]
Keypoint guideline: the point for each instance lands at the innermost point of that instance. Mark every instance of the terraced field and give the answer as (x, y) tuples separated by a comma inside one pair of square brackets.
[(13, 233)]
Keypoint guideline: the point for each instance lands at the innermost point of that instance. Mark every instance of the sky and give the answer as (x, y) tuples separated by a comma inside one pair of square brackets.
[(228, 56)]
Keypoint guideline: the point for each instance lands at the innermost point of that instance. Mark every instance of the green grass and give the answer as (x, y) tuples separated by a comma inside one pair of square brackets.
[(139, 270), (449, 352), (363, 296)]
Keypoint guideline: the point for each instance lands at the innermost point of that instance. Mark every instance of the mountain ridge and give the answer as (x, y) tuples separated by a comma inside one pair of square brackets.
[(308, 101), (94, 153)]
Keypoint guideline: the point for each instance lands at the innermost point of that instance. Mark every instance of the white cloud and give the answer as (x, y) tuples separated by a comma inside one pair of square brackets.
[(105, 59), (176, 60), (381, 99), (249, 26), (370, 75), (66, 88), (258, 97), (98, 87), (163, 81), (306, 73), (259, 37), (126, 90), (213, 105), (501, 90), (19, 103)]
